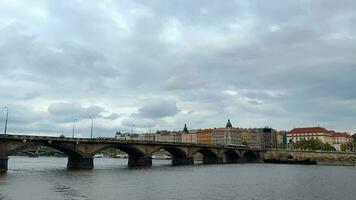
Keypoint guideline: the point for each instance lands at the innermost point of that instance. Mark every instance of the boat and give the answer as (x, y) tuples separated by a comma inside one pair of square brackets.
[(120, 156), (159, 157), (290, 161), (98, 155)]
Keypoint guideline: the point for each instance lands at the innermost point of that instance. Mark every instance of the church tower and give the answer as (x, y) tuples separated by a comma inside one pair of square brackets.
[(228, 125), (185, 129)]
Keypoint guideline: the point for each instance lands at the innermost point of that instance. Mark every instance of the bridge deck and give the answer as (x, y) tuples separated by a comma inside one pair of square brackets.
[(113, 141)]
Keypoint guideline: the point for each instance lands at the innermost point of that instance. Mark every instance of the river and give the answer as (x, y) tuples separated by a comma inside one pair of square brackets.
[(46, 178)]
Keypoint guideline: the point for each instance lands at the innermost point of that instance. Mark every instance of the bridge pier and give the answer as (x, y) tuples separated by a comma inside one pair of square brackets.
[(142, 161), (3, 164), (210, 160), (183, 161), (80, 163)]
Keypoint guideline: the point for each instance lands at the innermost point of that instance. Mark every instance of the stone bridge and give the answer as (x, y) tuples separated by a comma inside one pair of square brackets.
[(81, 151)]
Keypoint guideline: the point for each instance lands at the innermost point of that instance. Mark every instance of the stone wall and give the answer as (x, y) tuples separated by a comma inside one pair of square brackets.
[(332, 158)]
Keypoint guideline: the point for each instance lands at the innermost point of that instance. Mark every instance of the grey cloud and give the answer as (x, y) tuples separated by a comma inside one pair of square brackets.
[(158, 109), (67, 112), (112, 116), (118, 55), (134, 122), (152, 114)]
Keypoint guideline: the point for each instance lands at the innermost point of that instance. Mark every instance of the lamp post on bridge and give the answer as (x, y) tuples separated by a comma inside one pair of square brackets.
[(73, 127), (7, 115), (91, 128)]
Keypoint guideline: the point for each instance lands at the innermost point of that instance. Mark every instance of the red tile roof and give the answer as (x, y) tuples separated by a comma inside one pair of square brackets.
[(338, 134), (309, 130)]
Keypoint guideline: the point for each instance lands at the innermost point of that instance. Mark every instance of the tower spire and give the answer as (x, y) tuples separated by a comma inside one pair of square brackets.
[(185, 129), (228, 125)]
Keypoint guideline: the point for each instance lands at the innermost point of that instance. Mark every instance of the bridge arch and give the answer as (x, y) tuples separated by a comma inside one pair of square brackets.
[(210, 156), (176, 152), (231, 156), (179, 154), (130, 150), (250, 156), (67, 149)]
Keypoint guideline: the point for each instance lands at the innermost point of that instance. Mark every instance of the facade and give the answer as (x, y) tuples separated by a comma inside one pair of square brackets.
[(269, 138), (282, 139), (165, 137), (204, 136), (149, 137), (176, 137), (252, 138), (335, 139), (260, 138), (226, 136), (339, 139), (189, 138), (308, 133)]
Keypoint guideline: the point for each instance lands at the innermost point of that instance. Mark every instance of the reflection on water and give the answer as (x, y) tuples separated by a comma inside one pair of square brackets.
[(47, 178)]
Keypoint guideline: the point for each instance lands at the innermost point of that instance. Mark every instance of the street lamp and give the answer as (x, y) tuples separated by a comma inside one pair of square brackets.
[(7, 115), (91, 128), (73, 127)]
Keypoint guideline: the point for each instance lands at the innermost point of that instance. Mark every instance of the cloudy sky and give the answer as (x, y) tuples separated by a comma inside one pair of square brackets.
[(141, 65)]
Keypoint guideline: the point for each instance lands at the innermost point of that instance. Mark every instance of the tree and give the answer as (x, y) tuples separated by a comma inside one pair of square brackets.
[(343, 147), (313, 144)]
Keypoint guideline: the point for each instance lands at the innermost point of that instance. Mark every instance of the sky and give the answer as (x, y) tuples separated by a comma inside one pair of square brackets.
[(140, 66)]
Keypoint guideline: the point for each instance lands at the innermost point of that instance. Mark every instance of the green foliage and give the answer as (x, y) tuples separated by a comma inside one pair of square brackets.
[(344, 147), (313, 144)]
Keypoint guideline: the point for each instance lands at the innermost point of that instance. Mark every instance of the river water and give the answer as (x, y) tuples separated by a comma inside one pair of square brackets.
[(46, 178)]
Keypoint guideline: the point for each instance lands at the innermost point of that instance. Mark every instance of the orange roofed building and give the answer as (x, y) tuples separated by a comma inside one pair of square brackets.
[(331, 137), (204, 136), (308, 133)]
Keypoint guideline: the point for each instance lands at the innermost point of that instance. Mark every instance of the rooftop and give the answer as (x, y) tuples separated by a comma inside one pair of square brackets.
[(309, 130)]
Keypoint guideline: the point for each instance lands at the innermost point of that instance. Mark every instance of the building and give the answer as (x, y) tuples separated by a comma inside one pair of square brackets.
[(251, 138), (149, 137), (308, 133), (189, 138), (204, 136), (339, 139), (282, 139), (335, 139), (164, 136), (227, 135), (177, 137), (269, 138), (260, 137)]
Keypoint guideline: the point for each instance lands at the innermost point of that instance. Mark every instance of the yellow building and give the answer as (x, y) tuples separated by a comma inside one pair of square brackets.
[(189, 138)]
